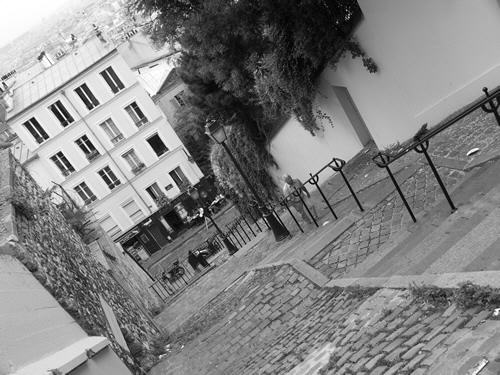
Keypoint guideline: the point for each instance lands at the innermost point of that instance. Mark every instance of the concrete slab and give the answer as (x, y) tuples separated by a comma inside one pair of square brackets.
[(446, 280), (465, 355)]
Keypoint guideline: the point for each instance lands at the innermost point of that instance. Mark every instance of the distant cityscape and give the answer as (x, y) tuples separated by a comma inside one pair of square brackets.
[(74, 23)]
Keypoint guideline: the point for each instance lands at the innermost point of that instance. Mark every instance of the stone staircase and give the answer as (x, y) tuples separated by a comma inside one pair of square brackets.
[(467, 240)]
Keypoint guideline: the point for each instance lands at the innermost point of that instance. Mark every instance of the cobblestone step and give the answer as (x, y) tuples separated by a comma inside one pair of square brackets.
[(443, 243)]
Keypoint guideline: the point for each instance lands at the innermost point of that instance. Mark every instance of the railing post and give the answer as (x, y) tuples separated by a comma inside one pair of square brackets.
[(385, 164), (243, 229), (422, 149), (255, 221), (283, 203), (299, 195), (339, 167), (314, 181), (493, 106), (248, 225)]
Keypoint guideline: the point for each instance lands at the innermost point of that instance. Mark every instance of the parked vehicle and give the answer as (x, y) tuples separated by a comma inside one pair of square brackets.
[(174, 274)]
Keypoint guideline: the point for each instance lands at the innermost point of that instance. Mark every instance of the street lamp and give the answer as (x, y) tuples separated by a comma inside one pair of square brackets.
[(195, 194), (218, 134)]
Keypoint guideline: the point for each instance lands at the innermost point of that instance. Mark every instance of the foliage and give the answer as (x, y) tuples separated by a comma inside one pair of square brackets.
[(467, 295), (250, 64), (253, 164), (77, 218), (191, 132), (163, 201)]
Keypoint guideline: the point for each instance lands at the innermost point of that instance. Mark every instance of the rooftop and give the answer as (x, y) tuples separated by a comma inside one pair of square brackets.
[(53, 78)]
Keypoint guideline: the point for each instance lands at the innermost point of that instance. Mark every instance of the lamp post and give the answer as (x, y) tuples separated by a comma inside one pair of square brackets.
[(218, 134), (195, 194)]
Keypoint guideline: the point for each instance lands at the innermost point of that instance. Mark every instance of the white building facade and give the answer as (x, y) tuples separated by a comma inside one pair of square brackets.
[(92, 128)]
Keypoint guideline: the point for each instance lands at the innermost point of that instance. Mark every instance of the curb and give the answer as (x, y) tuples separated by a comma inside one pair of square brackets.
[(445, 280)]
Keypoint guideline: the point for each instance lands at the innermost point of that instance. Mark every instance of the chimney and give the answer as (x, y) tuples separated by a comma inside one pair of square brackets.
[(45, 60)]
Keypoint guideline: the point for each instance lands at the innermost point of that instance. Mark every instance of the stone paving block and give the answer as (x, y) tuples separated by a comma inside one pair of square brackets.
[(459, 323), (478, 319), (433, 356), (434, 342), (415, 362), (412, 352), (393, 370), (370, 365)]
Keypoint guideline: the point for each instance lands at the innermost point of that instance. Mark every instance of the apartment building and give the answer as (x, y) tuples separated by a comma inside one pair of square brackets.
[(87, 125)]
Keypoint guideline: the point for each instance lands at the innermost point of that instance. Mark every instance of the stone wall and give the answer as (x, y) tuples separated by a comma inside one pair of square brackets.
[(124, 270), (34, 231)]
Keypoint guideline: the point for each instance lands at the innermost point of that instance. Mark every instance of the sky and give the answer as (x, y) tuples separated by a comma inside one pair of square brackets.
[(19, 16)]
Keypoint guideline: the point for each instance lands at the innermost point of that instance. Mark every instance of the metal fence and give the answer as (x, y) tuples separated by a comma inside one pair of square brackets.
[(239, 231), (337, 165), (420, 144)]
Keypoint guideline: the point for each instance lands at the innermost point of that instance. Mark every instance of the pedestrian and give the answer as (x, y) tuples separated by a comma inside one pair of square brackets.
[(290, 189), (200, 256), (193, 261)]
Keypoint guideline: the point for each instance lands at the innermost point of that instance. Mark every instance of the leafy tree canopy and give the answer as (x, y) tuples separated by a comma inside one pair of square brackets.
[(249, 63)]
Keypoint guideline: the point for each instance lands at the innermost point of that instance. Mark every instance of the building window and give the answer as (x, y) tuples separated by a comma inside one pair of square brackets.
[(112, 80), (87, 97), (157, 145), (111, 131), (36, 130), (136, 114), (109, 226), (109, 177), (133, 211), (179, 99), (62, 163), (179, 178), (61, 113), (87, 147), (85, 193), (136, 165), (154, 191)]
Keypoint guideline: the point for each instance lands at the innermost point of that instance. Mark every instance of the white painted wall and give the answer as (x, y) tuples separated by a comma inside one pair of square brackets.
[(434, 57), (32, 323), (167, 102), (298, 153)]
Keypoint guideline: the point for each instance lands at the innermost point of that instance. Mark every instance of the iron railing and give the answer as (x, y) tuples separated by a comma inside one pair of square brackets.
[(337, 165), (420, 144), (239, 231)]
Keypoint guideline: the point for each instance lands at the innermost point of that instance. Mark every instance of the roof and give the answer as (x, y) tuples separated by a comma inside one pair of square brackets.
[(154, 78), (139, 52), (59, 74)]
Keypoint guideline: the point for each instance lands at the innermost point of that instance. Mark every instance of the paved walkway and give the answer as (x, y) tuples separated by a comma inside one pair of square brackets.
[(287, 309), (284, 324)]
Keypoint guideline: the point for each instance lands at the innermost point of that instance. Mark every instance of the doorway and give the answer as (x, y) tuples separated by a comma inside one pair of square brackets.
[(173, 219), (353, 114)]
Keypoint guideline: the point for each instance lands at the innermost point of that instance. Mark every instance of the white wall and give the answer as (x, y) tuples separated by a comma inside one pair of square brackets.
[(298, 153), (168, 104), (434, 57), (32, 323)]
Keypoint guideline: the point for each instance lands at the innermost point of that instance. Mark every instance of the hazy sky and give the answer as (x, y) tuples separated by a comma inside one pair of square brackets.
[(19, 16)]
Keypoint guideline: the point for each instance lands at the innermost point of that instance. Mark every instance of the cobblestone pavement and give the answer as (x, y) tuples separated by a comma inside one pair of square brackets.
[(383, 221), (479, 129), (278, 318)]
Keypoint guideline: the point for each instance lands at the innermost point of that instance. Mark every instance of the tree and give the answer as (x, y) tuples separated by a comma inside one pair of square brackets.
[(249, 63)]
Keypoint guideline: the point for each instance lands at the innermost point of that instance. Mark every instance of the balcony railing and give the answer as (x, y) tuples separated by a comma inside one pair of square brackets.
[(92, 155), (138, 168)]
